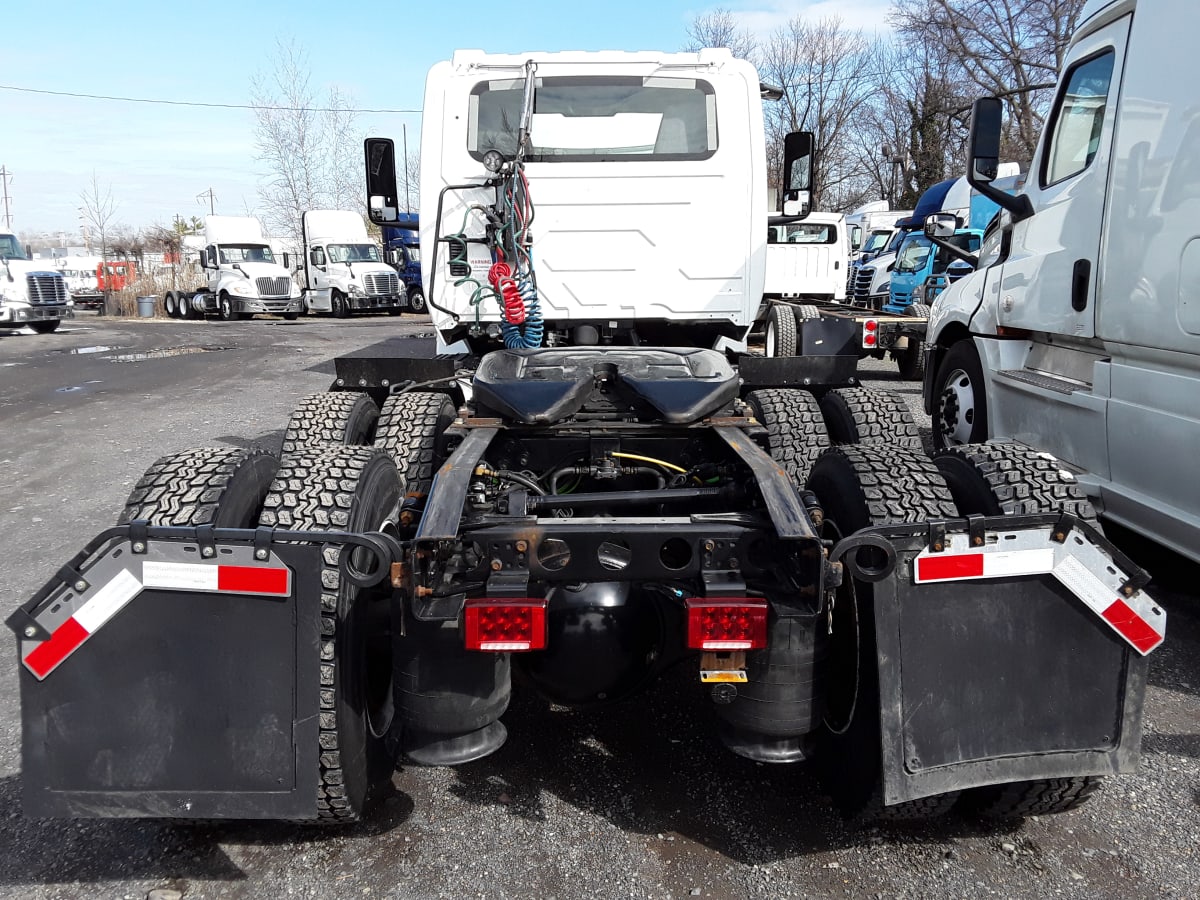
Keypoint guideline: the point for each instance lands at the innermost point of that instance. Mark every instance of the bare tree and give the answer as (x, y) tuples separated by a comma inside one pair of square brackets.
[(827, 74), (1011, 49), (308, 144), (719, 28), (98, 210)]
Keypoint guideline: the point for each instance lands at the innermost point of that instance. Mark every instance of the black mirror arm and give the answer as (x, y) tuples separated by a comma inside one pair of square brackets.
[(1017, 204), (965, 255)]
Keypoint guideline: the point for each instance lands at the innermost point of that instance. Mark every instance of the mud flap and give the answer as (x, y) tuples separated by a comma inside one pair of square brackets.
[(1006, 669), (173, 678)]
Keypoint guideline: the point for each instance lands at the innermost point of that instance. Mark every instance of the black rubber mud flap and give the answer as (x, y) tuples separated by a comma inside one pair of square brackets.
[(180, 681), (986, 680)]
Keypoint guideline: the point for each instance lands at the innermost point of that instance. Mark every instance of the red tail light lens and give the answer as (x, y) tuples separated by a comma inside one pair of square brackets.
[(504, 626), (731, 623), (869, 336)]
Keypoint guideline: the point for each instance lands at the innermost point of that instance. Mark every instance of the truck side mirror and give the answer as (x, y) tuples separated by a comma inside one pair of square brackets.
[(983, 141), (287, 260), (382, 196), (797, 173), (942, 225)]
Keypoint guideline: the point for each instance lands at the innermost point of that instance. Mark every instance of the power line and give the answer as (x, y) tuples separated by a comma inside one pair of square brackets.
[(28, 90)]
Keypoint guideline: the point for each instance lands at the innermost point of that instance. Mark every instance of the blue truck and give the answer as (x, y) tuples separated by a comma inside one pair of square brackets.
[(402, 250)]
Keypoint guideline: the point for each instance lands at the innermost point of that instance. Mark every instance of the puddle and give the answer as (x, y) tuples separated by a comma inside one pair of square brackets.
[(67, 390), (80, 351), (163, 353)]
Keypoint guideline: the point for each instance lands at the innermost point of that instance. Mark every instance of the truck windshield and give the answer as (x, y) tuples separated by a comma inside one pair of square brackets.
[(10, 247), (597, 118), (340, 253), (914, 254), (237, 253), (875, 241), (811, 233)]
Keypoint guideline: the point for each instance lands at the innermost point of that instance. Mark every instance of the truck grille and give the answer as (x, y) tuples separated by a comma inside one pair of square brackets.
[(862, 283), (47, 287), (274, 287), (381, 283)]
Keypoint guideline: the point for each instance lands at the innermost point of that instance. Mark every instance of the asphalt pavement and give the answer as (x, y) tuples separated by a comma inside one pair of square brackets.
[(639, 800)]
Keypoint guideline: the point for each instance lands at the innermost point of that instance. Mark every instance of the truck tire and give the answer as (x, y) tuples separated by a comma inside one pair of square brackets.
[(416, 300), (860, 486), (226, 308), (292, 316), (911, 360), (220, 486), (1019, 799), (1003, 478), (807, 311), (781, 331), (170, 305), (333, 418), (45, 327), (796, 434), (960, 413), (860, 415), (411, 429), (351, 488), (338, 306), (1010, 479)]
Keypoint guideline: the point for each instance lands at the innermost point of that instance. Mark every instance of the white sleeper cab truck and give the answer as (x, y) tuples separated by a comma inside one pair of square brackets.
[(623, 162), (31, 292), (343, 270), (1080, 332), (242, 273)]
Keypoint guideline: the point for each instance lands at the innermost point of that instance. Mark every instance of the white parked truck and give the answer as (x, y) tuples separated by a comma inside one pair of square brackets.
[(242, 273), (343, 271), (1079, 333), (31, 292)]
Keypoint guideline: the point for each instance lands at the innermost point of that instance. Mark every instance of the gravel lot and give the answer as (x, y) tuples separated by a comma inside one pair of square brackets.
[(638, 801)]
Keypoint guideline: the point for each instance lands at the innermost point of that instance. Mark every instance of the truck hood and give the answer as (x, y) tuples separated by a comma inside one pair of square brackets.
[(360, 269), (259, 270), (22, 267)]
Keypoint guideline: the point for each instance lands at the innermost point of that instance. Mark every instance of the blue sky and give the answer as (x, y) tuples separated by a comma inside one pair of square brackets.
[(158, 158)]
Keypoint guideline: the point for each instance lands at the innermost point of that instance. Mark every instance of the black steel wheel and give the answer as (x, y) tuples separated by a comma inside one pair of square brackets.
[(356, 489), (332, 418), (960, 414), (219, 486), (781, 331), (860, 486), (412, 430), (1005, 478), (860, 415), (796, 432), (338, 304)]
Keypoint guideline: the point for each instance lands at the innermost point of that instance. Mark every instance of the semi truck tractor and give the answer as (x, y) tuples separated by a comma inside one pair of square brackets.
[(242, 276), (32, 293), (342, 269), (602, 486)]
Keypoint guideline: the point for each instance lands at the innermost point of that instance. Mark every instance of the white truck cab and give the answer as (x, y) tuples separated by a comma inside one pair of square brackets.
[(624, 161), (32, 292), (243, 275), (807, 259), (343, 270), (1080, 332)]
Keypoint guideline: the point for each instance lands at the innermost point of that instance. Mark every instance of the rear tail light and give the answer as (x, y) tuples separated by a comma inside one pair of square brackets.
[(503, 626), (870, 334), (731, 623)]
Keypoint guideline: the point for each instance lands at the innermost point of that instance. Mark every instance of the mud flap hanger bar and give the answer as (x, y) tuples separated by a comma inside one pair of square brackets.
[(976, 547), (383, 549)]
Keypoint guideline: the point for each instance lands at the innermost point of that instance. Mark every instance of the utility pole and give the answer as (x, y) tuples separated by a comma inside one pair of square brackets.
[(211, 200), (5, 175)]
